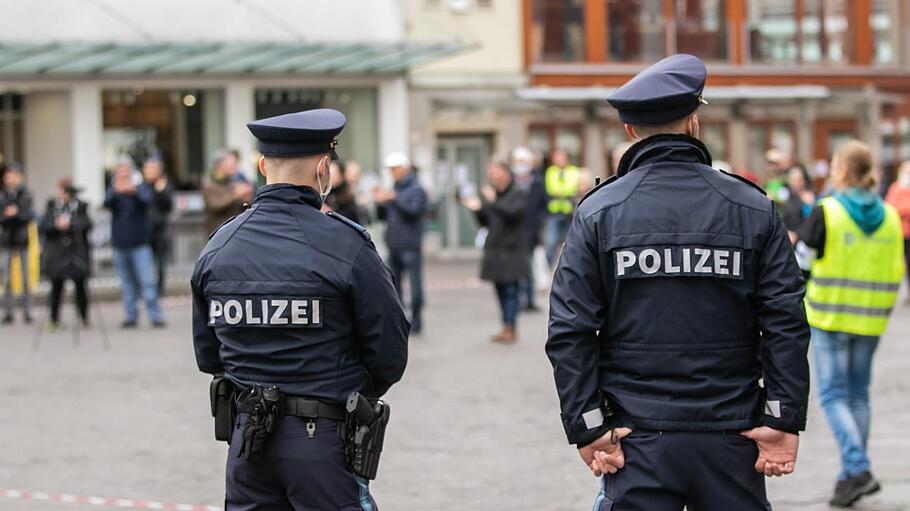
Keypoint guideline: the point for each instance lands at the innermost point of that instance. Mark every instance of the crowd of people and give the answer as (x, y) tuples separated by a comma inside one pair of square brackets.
[(140, 205)]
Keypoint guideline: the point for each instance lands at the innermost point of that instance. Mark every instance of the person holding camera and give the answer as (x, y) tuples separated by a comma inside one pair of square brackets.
[(67, 252)]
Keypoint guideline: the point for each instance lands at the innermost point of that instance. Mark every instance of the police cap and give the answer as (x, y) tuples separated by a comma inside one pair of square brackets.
[(666, 91), (300, 133)]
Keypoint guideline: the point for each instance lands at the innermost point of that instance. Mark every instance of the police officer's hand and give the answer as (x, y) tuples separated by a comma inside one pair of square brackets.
[(776, 450), (604, 455)]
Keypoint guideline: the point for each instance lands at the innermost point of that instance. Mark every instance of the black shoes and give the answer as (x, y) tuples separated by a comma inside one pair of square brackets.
[(851, 489), (7, 320), (127, 325), (159, 324)]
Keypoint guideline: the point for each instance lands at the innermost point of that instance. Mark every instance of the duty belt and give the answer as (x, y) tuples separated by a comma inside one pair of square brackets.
[(311, 409)]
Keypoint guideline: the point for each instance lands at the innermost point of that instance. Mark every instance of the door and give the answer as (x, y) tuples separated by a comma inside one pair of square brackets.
[(830, 134), (460, 166)]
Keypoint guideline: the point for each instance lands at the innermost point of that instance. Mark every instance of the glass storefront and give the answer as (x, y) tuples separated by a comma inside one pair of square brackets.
[(558, 31), (635, 30), (701, 28), (358, 141), (167, 124)]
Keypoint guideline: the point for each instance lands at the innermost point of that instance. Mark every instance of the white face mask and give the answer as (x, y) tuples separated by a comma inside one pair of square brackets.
[(905, 179), (323, 193), (521, 169)]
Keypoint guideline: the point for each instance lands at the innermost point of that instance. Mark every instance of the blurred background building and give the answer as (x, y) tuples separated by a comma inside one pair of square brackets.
[(452, 82), (795, 75)]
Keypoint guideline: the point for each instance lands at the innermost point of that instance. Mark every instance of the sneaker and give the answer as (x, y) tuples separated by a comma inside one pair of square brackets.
[(159, 324), (54, 326), (126, 325), (851, 489), (7, 320), (27, 318), (531, 308)]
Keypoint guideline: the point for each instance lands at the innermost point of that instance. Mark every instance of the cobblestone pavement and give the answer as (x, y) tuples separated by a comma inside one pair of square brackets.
[(474, 427)]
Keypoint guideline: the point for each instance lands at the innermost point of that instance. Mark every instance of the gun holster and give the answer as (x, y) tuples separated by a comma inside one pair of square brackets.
[(364, 434), (221, 397)]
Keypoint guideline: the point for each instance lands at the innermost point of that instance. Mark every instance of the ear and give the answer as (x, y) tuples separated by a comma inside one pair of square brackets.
[(630, 131), (694, 126), (262, 167)]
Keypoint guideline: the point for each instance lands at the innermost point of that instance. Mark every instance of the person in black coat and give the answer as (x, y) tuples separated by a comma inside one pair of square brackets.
[(67, 254), (159, 216), (15, 215), (502, 209)]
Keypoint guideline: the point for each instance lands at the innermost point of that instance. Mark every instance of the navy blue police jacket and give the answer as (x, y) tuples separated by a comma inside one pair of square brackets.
[(676, 293), (286, 295)]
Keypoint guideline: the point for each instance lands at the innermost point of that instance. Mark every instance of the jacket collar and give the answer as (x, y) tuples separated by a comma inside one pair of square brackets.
[(406, 181), (289, 194), (681, 148)]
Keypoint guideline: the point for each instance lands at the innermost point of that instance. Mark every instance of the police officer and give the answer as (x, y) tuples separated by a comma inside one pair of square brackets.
[(676, 292), (285, 295)]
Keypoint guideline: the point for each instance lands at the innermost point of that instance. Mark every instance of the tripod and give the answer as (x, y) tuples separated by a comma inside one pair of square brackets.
[(77, 327)]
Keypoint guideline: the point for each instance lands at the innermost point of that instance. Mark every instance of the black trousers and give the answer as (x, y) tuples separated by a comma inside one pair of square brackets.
[(295, 472), (704, 471), (57, 296)]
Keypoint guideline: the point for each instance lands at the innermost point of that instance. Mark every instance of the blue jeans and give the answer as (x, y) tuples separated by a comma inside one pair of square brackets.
[(401, 261), (136, 271), (556, 230), (843, 368), (507, 292)]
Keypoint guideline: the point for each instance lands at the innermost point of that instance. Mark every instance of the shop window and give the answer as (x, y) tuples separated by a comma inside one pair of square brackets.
[(544, 138), (636, 30), (166, 124), (11, 129), (558, 31), (885, 22), (778, 135), (358, 141), (701, 28), (715, 138)]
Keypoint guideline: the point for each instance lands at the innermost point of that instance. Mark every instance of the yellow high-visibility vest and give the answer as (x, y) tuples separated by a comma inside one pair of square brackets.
[(854, 285), (562, 188)]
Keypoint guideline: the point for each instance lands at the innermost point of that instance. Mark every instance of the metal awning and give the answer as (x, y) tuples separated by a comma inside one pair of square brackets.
[(75, 59), (720, 93)]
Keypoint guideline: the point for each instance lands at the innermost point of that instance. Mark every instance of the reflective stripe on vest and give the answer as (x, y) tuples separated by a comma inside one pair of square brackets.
[(562, 188), (854, 285)]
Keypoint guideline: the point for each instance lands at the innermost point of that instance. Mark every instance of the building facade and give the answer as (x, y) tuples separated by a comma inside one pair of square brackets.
[(85, 83), (795, 75)]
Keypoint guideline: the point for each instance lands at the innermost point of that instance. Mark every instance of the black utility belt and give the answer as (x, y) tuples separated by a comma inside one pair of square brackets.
[(310, 409)]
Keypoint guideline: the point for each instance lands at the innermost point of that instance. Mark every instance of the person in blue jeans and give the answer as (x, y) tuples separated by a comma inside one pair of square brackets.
[(404, 209), (129, 201), (855, 279)]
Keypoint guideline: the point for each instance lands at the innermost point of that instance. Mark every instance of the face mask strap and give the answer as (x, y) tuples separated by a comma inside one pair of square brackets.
[(328, 189)]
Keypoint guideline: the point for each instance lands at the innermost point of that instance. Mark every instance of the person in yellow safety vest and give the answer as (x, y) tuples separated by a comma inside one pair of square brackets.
[(854, 285), (561, 181)]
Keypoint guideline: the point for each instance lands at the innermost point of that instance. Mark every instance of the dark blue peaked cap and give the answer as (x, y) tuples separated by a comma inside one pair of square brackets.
[(300, 133), (666, 91)]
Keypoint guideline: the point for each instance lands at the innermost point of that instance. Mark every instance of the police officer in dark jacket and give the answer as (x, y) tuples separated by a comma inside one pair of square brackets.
[(676, 293), (285, 295)]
